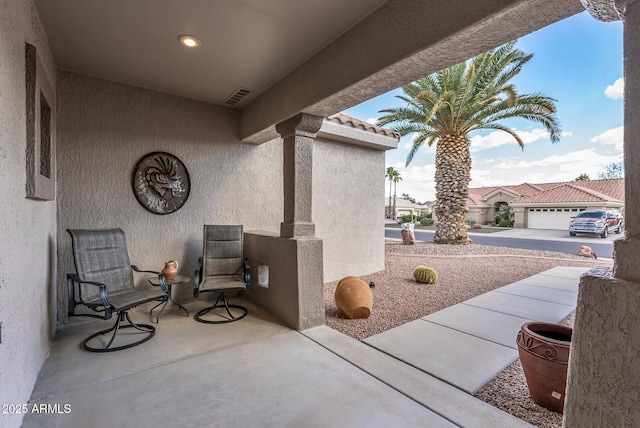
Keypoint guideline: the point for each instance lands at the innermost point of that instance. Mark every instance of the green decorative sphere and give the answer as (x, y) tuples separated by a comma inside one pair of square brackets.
[(425, 275)]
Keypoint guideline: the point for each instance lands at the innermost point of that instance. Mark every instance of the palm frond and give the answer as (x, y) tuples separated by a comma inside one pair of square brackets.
[(472, 95)]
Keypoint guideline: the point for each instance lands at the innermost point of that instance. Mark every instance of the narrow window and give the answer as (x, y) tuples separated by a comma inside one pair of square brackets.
[(45, 137)]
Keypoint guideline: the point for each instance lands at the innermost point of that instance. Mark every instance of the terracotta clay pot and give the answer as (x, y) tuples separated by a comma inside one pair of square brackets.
[(354, 298), (544, 353), (170, 269)]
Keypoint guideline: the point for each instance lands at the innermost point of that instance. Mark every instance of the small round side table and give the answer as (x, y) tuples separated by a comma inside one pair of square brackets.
[(177, 280)]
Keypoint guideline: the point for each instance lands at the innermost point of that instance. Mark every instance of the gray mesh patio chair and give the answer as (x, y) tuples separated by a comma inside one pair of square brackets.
[(103, 282), (222, 269)]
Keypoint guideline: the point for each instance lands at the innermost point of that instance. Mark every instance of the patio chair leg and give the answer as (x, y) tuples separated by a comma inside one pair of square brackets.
[(225, 304), (146, 328)]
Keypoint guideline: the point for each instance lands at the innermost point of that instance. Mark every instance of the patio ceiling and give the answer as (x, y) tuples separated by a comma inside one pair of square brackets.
[(247, 44), (317, 57)]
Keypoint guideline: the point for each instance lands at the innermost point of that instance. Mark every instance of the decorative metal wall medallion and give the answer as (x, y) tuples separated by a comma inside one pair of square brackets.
[(161, 183)]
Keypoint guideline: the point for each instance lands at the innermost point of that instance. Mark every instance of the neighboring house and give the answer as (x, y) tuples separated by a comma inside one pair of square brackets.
[(544, 205), (406, 207), (89, 88)]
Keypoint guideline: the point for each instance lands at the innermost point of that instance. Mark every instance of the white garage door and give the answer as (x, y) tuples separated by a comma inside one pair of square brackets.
[(551, 218)]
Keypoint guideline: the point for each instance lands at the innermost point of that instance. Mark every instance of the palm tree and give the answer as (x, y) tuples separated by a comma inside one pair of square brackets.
[(396, 178), (444, 107), (391, 172)]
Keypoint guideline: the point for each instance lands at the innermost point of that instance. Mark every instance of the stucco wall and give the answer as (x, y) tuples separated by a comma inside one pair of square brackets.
[(27, 227), (105, 128), (348, 208)]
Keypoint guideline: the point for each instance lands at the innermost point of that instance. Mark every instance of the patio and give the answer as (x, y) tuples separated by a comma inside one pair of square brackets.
[(256, 372), (250, 373)]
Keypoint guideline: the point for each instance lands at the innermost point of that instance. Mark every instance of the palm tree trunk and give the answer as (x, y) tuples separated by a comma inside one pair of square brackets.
[(453, 168), (395, 186), (389, 215)]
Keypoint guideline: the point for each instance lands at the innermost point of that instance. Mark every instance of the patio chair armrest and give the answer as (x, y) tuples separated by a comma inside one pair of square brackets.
[(163, 285), (74, 278)]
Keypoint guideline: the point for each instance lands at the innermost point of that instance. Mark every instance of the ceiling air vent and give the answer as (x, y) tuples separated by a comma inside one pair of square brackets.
[(237, 96)]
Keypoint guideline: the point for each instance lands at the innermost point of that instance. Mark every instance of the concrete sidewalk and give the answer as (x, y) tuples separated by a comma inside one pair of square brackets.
[(468, 344)]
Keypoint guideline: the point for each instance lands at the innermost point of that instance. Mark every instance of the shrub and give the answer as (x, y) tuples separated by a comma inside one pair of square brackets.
[(477, 226), (425, 275), (426, 221), (506, 223), (470, 222), (407, 218)]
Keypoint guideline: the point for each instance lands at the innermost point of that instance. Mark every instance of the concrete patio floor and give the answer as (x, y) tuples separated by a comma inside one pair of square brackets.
[(256, 372)]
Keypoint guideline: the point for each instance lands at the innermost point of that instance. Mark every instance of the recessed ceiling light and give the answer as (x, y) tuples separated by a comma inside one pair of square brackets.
[(188, 41)]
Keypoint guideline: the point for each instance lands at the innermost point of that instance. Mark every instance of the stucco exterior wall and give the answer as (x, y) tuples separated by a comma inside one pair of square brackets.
[(348, 208), (28, 227), (480, 215), (105, 128)]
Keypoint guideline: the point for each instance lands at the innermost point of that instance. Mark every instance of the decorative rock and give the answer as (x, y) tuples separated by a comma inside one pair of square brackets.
[(354, 298), (586, 251)]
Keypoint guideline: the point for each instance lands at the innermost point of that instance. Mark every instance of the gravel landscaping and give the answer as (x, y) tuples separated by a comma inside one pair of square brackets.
[(464, 271)]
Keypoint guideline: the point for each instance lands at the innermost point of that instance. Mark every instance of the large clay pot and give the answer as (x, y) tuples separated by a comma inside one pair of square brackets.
[(544, 353), (170, 269), (354, 298)]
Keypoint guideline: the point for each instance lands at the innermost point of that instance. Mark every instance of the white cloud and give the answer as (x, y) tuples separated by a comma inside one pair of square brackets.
[(372, 120), (614, 137), (417, 181), (565, 167), (492, 140), (615, 91), (500, 138), (424, 149)]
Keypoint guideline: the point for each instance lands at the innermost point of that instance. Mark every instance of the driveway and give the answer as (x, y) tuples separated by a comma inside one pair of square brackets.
[(533, 239), (554, 235)]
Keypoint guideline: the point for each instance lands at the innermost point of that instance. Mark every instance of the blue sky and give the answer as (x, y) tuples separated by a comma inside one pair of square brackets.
[(578, 62)]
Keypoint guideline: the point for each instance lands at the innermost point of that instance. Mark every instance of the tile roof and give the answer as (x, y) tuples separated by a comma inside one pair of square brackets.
[(610, 190), (357, 123), (564, 193)]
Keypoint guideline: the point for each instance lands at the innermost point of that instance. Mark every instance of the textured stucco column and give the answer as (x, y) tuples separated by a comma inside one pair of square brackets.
[(603, 387), (627, 251), (291, 286), (298, 134)]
